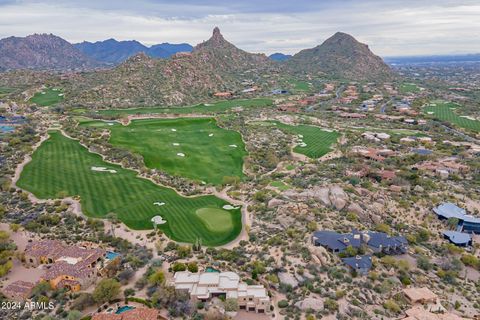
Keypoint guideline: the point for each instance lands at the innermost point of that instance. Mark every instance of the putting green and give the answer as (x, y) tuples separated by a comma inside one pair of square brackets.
[(195, 148), (216, 219), (61, 167), (48, 97)]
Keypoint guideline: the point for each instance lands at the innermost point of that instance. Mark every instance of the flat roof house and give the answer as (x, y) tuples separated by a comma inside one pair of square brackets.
[(466, 222), (203, 286)]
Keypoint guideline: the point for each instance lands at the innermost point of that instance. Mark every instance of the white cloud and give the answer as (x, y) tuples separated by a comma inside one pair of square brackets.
[(389, 27)]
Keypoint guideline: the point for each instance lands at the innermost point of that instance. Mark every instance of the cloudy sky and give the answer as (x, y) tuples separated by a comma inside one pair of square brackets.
[(391, 28)]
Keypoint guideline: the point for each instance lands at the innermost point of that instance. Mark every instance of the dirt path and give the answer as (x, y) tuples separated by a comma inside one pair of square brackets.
[(246, 219)]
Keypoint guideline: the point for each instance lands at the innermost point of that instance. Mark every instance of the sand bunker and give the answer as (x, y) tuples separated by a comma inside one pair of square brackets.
[(210, 135), (327, 130), (229, 207), (43, 92), (302, 144), (103, 169), (159, 204), (176, 144), (181, 154), (174, 130), (60, 94), (158, 220), (233, 145), (208, 104), (468, 117), (430, 112)]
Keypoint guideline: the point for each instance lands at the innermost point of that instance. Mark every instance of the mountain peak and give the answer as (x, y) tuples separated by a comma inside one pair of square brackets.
[(342, 38), (217, 36), (341, 56), (216, 40)]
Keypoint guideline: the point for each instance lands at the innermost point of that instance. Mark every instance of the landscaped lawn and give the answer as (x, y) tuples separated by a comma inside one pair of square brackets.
[(201, 108), (195, 148), (409, 88), (300, 85), (216, 220), (451, 112), (5, 91), (280, 185), (48, 97), (314, 142), (62, 167)]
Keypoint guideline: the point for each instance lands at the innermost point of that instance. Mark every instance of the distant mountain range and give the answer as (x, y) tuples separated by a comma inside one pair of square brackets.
[(137, 78), (279, 56), (433, 59), (42, 51), (213, 65), (341, 56), (50, 52), (114, 52)]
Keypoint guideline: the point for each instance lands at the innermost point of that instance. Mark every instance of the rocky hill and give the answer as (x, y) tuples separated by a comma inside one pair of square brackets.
[(214, 65), (112, 51), (42, 52), (341, 56)]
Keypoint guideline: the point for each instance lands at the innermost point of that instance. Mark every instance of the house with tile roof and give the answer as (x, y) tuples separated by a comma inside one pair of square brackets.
[(18, 290), (71, 267), (132, 314)]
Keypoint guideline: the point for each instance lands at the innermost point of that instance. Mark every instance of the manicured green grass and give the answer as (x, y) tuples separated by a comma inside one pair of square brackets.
[(210, 152), (300, 85), (4, 91), (216, 220), (62, 167), (203, 108), (451, 112), (280, 185), (409, 88), (318, 141), (48, 97)]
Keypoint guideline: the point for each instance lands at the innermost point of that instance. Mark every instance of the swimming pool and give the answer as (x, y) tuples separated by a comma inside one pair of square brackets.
[(210, 269), (6, 129), (111, 255), (124, 309)]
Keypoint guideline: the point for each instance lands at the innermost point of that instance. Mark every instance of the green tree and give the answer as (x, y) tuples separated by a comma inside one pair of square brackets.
[(106, 290), (157, 278), (192, 267)]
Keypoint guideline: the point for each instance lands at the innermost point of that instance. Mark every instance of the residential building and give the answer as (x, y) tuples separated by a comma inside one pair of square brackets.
[(360, 264), (460, 239), (18, 290), (71, 267), (203, 286), (466, 222), (132, 314), (376, 241)]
